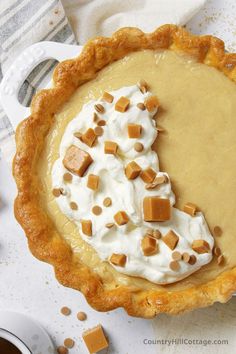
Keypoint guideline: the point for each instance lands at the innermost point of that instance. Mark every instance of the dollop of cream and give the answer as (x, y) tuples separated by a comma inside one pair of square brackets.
[(126, 194)]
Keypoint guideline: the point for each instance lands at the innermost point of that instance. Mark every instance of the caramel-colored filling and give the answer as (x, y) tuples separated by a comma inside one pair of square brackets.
[(197, 149)]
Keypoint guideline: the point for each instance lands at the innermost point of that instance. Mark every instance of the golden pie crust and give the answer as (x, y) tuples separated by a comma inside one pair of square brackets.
[(45, 241)]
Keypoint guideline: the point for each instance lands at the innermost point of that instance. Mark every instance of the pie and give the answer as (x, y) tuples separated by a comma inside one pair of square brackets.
[(92, 199)]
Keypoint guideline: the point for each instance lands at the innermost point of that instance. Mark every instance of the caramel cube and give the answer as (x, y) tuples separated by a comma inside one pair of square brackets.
[(171, 239), (110, 147), (200, 246), (156, 209), (148, 175), (122, 104), (107, 97), (93, 182), (95, 339), (118, 259), (121, 218), (77, 160), (149, 245), (151, 103), (89, 137), (86, 227), (132, 170), (134, 131), (190, 209)]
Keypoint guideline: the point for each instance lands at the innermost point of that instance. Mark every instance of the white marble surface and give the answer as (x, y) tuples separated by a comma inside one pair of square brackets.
[(29, 286)]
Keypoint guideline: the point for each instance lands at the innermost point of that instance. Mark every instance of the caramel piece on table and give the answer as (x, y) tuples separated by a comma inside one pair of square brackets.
[(171, 239), (118, 259), (190, 209), (132, 170), (110, 147), (200, 246), (107, 97), (89, 137), (148, 175), (151, 103), (122, 104), (134, 131), (93, 182), (156, 209), (121, 218), (86, 227), (149, 245), (95, 339), (77, 160)]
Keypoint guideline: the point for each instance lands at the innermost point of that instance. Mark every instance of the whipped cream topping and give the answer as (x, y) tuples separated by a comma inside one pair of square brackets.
[(126, 194)]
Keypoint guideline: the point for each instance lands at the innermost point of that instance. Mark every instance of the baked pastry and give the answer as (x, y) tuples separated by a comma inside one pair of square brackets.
[(91, 197)]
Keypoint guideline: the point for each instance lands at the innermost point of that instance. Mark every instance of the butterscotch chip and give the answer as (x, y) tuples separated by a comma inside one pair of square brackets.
[(220, 260), (69, 343), (109, 225), (190, 209), (217, 231), (86, 227), (95, 117), (98, 131), (186, 257), (78, 135), (141, 106), (67, 177), (93, 182), (171, 239), (81, 316), (134, 131), (217, 251), (151, 103), (149, 246), (156, 209), (95, 339), (101, 123), (148, 175), (62, 350), (56, 192), (118, 259), (99, 108), (122, 104), (107, 202), (200, 246), (157, 234), (143, 86), (110, 147), (132, 170), (177, 256), (157, 182), (77, 160), (121, 218), (174, 265), (73, 206), (107, 97), (192, 259), (138, 147), (65, 311), (97, 210), (89, 137)]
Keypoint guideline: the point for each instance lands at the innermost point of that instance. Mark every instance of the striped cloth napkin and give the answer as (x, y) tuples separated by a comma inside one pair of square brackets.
[(22, 23)]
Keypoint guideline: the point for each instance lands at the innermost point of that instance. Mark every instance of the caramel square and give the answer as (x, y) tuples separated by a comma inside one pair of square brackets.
[(121, 218), (107, 97), (134, 131), (89, 137), (118, 259), (190, 209), (77, 160), (149, 245), (156, 209), (86, 227), (200, 246), (93, 182), (148, 175), (151, 103), (95, 339), (110, 147), (171, 239), (122, 104), (132, 170)]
